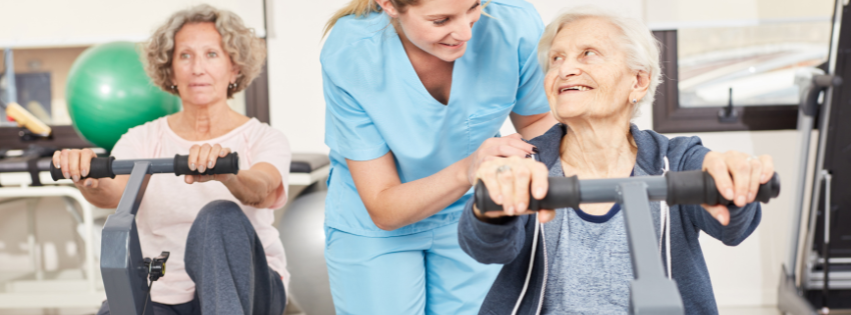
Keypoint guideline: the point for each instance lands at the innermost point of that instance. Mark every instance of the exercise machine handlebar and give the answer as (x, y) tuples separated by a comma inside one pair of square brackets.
[(687, 187), (108, 167)]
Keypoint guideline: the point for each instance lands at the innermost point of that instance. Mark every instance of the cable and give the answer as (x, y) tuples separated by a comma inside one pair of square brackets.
[(147, 296)]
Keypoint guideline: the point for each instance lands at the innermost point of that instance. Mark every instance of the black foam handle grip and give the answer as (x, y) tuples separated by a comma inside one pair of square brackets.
[(563, 192), (224, 165), (698, 187), (101, 167)]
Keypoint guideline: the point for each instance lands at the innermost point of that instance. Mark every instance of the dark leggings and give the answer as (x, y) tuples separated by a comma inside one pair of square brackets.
[(226, 260)]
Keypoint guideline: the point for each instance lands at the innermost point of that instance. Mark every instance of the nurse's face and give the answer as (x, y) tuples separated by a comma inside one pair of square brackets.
[(588, 76), (440, 27)]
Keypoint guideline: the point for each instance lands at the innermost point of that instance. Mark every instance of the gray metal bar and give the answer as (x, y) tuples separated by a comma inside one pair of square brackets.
[(607, 189), (163, 165), (805, 129), (650, 292), (121, 265)]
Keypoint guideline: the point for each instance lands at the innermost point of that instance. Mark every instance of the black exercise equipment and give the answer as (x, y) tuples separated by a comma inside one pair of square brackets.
[(651, 292), (125, 273), (822, 280)]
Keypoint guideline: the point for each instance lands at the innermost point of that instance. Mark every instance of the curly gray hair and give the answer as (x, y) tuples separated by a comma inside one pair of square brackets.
[(246, 50), (636, 40)]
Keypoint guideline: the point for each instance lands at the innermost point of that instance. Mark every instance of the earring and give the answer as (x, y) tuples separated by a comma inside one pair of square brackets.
[(634, 101), (173, 87), (232, 86)]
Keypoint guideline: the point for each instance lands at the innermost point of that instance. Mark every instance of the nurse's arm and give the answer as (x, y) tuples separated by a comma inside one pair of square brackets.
[(533, 125), (392, 204)]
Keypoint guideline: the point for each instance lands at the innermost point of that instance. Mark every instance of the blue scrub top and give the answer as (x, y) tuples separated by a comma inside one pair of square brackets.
[(376, 103)]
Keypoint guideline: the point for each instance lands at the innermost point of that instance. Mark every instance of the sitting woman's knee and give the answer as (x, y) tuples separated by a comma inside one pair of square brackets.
[(224, 210)]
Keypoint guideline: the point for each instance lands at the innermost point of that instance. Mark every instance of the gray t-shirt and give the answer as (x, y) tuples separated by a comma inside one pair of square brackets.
[(591, 270)]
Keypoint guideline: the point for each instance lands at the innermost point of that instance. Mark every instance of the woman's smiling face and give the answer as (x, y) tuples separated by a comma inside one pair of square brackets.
[(588, 75), (440, 27)]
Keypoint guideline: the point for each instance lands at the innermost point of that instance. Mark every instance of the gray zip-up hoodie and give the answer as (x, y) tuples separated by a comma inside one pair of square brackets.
[(510, 242)]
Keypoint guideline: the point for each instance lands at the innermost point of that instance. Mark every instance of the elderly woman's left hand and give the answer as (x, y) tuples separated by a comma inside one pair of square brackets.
[(203, 157), (737, 176)]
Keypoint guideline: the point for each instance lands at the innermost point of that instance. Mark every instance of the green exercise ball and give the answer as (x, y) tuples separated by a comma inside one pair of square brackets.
[(108, 93)]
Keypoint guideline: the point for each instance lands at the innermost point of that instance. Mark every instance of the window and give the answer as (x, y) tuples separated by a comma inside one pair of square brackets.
[(750, 63)]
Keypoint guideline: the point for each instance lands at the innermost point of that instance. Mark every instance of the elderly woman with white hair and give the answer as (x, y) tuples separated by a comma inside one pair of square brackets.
[(599, 70), (226, 257)]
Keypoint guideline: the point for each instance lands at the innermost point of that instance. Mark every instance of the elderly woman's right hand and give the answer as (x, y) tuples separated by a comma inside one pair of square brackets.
[(76, 164), (508, 181)]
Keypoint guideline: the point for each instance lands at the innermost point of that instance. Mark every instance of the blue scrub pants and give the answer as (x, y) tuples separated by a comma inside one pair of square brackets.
[(421, 273)]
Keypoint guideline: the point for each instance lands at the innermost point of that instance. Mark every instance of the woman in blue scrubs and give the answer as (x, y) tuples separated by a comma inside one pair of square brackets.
[(416, 92)]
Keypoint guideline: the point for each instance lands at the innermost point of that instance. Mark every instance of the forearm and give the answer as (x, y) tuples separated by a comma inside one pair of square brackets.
[(407, 203), (254, 188), (106, 194), (491, 243)]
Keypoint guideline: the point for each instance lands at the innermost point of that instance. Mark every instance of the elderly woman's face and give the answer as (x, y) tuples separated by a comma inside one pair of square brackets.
[(588, 75), (202, 69)]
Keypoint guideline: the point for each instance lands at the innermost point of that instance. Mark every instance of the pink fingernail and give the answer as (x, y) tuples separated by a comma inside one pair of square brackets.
[(728, 193), (66, 174), (210, 164), (539, 192), (192, 166), (762, 178), (85, 173)]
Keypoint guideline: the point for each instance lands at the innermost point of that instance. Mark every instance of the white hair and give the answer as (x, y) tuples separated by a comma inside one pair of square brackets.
[(637, 42)]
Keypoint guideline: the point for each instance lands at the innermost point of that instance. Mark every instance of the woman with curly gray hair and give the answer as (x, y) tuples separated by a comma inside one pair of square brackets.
[(226, 257)]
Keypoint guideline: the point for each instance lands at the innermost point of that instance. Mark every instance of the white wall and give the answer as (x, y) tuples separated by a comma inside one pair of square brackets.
[(88, 22)]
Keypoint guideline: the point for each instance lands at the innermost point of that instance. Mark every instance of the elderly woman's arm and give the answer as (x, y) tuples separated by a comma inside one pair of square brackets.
[(75, 164), (497, 241), (740, 221), (258, 186)]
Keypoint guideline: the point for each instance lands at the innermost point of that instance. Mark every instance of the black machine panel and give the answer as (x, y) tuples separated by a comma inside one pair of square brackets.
[(838, 154)]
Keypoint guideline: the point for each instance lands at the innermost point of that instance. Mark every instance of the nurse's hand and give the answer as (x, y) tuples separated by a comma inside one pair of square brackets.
[(511, 145), (203, 157), (737, 176), (508, 181)]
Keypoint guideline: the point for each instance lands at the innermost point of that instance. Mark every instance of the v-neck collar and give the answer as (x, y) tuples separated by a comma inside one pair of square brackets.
[(410, 74)]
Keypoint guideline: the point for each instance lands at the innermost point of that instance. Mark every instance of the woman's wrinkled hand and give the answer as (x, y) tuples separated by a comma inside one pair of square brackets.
[(510, 145), (204, 157), (508, 181), (76, 164), (737, 176)]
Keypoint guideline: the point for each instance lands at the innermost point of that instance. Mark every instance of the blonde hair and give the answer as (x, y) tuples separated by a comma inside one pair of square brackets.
[(245, 49), (636, 40), (363, 7)]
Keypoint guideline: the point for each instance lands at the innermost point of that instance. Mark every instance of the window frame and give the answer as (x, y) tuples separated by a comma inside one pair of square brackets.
[(669, 117)]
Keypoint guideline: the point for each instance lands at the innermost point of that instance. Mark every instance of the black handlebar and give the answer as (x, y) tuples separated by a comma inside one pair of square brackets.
[(689, 187), (105, 167), (224, 165)]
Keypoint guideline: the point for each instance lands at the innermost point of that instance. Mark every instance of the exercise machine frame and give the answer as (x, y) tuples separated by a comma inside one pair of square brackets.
[(650, 292)]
